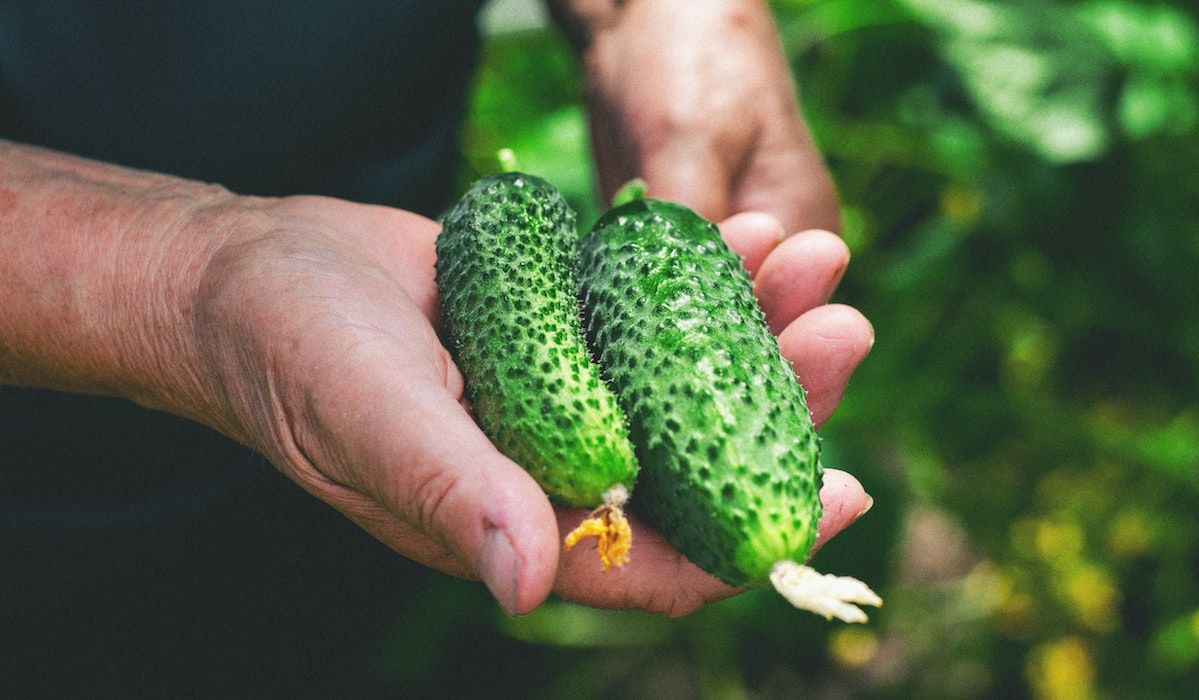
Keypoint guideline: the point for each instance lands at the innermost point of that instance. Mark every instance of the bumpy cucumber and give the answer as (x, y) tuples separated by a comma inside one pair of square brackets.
[(507, 275), (730, 460)]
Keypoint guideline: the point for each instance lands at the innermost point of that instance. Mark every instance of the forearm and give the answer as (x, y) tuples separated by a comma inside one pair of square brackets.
[(97, 276)]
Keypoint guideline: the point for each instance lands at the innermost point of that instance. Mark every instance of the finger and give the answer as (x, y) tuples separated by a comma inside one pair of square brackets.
[(485, 507), (824, 346), (752, 235), (426, 462), (844, 501), (798, 275), (690, 174), (656, 579)]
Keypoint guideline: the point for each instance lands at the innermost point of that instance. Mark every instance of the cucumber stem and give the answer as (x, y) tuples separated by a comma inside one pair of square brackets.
[(609, 526), (507, 160), (632, 190), (824, 594)]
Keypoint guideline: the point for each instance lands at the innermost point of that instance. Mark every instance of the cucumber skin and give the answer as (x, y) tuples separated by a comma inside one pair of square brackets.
[(730, 467), (507, 275)]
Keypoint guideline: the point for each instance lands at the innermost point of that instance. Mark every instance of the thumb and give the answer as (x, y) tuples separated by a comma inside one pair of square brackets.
[(844, 502), (444, 478)]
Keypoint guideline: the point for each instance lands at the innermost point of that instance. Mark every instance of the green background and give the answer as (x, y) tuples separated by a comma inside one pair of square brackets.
[(1021, 199)]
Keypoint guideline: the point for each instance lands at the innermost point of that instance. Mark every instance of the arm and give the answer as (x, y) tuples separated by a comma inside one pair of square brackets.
[(95, 280), (696, 97)]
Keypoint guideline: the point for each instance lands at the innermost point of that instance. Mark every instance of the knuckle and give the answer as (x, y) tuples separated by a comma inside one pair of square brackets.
[(676, 599), (455, 383), (428, 496), (681, 605)]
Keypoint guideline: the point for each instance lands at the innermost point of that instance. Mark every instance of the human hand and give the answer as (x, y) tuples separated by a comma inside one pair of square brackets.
[(316, 332), (696, 97)]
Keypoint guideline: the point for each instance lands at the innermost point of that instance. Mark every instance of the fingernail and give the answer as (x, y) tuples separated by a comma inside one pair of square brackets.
[(866, 508), (499, 566)]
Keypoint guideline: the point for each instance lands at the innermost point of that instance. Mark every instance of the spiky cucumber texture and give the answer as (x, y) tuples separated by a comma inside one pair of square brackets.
[(507, 275), (730, 461)]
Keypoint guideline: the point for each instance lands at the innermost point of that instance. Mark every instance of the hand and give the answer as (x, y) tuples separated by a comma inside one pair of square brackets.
[(695, 96), (315, 325)]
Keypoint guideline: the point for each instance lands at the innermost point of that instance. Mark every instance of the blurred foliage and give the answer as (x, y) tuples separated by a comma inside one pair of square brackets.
[(1021, 198)]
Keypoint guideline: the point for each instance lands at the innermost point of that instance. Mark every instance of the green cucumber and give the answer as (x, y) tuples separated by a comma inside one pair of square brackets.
[(730, 463), (507, 276)]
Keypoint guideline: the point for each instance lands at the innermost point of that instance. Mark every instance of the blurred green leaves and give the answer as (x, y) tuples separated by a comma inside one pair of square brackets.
[(1155, 38), (1036, 75), (527, 98), (1058, 79), (566, 625)]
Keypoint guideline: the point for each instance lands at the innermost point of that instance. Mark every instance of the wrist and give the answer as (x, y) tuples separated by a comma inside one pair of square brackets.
[(173, 239), (98, 270)]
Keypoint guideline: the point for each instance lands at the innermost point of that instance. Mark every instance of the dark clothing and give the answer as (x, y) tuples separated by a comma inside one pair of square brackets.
[(352, 99), (139, 551)]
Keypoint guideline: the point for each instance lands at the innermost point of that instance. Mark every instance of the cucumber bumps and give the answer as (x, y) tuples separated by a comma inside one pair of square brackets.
[(730, 460), (507, 275)]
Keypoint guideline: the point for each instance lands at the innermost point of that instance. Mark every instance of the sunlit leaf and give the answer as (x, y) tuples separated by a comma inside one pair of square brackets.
[(1157, 37), (1176, 646), (1149, 105)]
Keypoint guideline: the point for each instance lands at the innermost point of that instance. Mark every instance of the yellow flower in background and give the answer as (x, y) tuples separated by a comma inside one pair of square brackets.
[(1062, 670)]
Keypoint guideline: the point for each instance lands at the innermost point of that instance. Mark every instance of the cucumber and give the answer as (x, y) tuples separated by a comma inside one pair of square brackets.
[(507, 277), (730, 461)]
